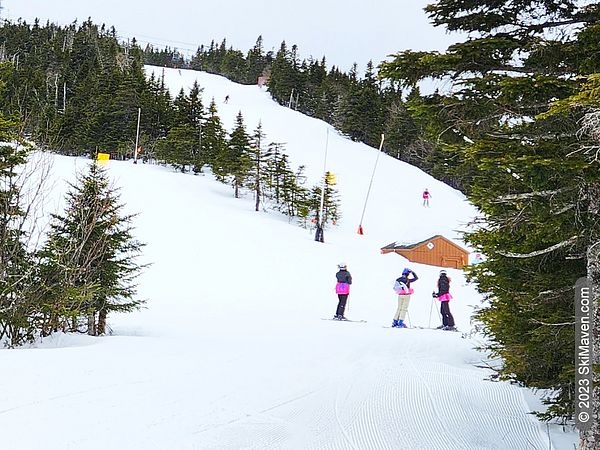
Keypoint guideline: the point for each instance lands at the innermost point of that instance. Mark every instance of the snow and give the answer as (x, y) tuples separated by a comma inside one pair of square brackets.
[(231, 352)]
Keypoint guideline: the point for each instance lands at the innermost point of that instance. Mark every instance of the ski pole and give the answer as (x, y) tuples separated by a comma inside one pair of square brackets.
[(409, 321), (430, 308)]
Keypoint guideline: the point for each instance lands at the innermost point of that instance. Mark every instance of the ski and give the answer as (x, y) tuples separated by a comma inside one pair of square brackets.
[(419, 328), (345, 320), (439, 329)]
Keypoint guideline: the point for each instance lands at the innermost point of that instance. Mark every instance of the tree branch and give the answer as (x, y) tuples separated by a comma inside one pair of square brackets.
[(569, 241), (563, 324), (526, 195)]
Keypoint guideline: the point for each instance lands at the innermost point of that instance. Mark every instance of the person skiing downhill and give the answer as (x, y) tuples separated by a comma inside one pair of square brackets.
[(426, 197), (404, 291), (443, 295), (342, 289)]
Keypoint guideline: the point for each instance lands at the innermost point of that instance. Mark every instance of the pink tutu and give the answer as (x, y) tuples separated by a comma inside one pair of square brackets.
[(342, 288), (445, 297), (405, 292)]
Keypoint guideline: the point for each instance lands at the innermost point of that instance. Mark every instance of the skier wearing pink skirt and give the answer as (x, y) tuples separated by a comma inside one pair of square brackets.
[(443, 295), (342, 289)]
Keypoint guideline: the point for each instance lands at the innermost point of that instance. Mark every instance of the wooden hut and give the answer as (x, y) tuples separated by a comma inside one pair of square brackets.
[(435, 251)]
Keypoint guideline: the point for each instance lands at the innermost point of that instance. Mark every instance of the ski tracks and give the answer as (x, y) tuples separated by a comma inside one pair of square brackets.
[(378, 403), (419, 404)]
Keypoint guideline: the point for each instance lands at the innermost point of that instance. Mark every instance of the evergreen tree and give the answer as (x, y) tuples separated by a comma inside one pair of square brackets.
[(258, 157), (331, 203), (237, 163), (282, 80), (16, 275), (294, 196), (514, 163), (214, 144), (277, 171), (178, 149), (90, 254), (256, 62)]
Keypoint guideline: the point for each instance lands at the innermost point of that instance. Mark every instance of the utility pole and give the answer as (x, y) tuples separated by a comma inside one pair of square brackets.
[(137, 137), (319, 233)]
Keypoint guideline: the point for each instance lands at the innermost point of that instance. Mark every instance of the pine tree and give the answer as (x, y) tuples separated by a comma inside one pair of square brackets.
[(256, 62), (514, 163), (293, 195), (237, 163), (282, 80), (178, 149), (214, 149), (15, 264), (258, 157), (331, 204), (91, 254)]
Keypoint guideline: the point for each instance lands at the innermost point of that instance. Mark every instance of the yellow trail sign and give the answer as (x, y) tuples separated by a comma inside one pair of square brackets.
[(330, 178), (103, 158)]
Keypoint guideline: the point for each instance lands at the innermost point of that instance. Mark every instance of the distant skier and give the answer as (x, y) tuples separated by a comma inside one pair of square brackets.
[(226, 99), (319, 235), (426, 197), (443, 295), (404, 291), (342, 289)]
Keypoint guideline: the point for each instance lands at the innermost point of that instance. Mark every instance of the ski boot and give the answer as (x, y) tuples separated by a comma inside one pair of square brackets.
[(401, 324)]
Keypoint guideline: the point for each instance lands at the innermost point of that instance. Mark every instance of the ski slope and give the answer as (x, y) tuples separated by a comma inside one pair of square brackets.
[(231, 351)]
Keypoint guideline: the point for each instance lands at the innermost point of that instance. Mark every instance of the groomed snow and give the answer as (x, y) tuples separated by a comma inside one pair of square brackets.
[(231, 351)]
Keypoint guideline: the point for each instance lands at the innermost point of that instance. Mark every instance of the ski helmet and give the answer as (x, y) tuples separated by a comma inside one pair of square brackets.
[(406, 271), (341, 265), (443, 272)]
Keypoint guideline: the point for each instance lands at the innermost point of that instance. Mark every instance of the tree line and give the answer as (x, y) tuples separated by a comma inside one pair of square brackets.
[(78, 91), (361, 108)]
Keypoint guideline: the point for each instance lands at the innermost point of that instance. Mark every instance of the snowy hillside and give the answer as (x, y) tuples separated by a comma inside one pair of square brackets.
[(231, 351)]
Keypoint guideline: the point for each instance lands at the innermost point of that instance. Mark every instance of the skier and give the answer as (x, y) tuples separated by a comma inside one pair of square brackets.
[(342, 289), (426, 197), (404, 291), (443, 295), (319, 233), (226, 99)]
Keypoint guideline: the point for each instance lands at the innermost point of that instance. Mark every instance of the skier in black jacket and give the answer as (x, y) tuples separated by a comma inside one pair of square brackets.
[(443, 295), (342, 289)]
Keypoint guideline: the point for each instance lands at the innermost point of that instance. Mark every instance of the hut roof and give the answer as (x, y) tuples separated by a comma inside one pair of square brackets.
[(407, 246)]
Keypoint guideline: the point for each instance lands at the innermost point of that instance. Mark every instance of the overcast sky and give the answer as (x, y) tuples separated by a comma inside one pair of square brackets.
[(345, 31)]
